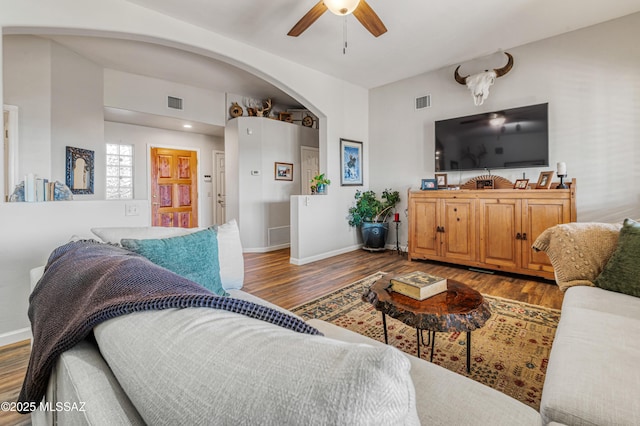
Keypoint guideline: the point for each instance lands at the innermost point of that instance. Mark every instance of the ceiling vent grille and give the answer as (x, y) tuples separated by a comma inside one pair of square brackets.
[(175, 103), (423, 102)]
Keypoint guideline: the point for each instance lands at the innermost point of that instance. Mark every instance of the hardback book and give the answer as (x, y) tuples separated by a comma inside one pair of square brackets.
[(418, 285)]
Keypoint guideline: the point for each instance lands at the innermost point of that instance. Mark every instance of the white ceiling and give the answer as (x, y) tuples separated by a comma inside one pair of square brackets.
[(422, 36)]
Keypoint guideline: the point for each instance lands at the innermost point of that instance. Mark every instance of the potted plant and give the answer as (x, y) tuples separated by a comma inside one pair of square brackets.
[(319, 184), (370, 214)]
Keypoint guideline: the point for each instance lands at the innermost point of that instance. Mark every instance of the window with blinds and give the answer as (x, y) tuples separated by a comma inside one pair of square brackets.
[(119, 172)]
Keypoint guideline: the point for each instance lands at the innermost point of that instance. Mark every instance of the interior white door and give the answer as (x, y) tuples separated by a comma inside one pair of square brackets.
[(219, 188), (310, 161)]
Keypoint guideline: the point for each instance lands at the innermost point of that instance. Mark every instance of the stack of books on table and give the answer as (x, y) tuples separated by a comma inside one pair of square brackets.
[(418, 285)]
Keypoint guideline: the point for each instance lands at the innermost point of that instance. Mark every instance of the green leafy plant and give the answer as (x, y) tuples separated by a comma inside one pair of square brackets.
[(320, 180), (369, 208)]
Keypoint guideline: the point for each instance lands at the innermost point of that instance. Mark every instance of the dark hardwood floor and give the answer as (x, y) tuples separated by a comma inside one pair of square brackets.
[(271, 277)]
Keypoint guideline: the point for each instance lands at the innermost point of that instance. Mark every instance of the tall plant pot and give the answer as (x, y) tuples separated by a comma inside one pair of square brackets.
[(374, 235)]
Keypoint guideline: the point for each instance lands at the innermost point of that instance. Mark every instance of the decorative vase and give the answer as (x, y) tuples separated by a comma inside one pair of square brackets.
[(321, 188), (374, 235)]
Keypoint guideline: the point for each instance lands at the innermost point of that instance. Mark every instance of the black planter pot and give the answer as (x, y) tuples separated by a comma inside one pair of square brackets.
[(374, 235)]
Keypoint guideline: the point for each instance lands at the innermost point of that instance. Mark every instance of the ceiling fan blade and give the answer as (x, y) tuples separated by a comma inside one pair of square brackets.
[(369, 19), (308, 19)]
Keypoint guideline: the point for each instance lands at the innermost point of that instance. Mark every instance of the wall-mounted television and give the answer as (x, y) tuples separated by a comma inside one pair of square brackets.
[(505, 139)]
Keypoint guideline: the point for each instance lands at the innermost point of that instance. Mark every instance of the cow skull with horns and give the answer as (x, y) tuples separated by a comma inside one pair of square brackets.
[(479, 83)]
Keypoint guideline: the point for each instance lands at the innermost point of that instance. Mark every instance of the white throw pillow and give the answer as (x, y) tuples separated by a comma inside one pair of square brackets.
[(206, 366), (113, 235), (230, 256)]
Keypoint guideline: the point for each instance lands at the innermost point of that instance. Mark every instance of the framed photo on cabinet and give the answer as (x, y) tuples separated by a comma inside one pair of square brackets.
[(429, 184), (544, 181), (521, 184), (441, 178), (350, 163)]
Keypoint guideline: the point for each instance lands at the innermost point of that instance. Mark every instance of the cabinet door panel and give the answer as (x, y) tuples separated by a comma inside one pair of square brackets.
[(422, 230), (458, 220), (538, 215), (499, 225)]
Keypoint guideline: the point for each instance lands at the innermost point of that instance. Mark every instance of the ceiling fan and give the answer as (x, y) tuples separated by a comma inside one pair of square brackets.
[(360, 9)]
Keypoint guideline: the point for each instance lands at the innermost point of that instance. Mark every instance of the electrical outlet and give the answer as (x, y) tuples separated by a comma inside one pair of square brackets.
[(131, 210)]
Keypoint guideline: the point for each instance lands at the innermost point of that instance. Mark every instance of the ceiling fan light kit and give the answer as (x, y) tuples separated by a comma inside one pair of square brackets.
[(360, 9), (341, 7)]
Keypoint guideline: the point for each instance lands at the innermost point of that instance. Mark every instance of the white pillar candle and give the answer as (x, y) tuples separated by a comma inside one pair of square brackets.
[(562, 168)]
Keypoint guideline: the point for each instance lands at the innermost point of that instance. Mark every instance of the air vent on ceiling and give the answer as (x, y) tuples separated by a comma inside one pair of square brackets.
[(423, 102), (175, 103)]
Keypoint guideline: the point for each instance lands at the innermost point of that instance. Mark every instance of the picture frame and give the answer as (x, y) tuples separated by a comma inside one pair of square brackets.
[(484, 184), (80, 171), (521, 184), (283, 171), (285, 116), (350, 163), (544, 180), (429, 184), (441, 179)]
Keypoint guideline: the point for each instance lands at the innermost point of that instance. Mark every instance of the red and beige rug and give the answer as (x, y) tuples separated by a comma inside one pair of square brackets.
[(509, 353)]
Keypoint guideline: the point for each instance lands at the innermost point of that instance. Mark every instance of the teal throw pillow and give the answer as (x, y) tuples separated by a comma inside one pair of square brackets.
[(622, 271), (193, 256)]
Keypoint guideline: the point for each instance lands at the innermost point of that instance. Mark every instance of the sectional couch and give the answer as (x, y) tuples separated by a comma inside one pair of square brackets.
[(202, 366)]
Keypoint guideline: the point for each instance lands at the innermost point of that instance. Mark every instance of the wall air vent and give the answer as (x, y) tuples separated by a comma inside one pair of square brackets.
[(175, 103), (423, 102)]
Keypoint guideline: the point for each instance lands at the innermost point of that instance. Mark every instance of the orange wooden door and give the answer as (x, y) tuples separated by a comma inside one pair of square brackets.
[(174, 188)]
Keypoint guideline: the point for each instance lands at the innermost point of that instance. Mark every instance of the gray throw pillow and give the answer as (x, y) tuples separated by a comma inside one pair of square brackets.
[(622, 272)]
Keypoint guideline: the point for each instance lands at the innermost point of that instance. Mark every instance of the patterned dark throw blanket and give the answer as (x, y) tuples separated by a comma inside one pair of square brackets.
[(86, 283)]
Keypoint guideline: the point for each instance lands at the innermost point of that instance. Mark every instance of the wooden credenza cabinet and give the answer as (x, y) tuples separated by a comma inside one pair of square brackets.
[(490, 229)]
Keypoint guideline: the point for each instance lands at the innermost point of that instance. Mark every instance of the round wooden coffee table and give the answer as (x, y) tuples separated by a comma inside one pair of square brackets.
[(460, 309)]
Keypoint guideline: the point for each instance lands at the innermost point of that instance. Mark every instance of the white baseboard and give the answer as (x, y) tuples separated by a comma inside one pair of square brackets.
[(304, 261), (266, 249), (15, 336)]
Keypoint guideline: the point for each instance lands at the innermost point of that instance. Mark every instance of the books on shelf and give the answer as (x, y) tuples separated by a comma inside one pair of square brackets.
[(418, 285), (36, 189)]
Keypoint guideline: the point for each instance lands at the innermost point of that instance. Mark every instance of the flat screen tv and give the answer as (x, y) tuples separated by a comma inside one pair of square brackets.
[(510, 138)]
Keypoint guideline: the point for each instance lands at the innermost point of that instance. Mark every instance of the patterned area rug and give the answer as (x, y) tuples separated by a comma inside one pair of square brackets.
[(509, 353)]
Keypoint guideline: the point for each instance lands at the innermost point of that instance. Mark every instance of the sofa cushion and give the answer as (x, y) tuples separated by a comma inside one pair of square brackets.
[(622, 271), (193, 256), (593, 376), (578, 251), (204, 366)]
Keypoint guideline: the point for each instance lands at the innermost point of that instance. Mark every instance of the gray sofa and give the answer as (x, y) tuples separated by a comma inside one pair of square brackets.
[(83, 377), (593, 376), (136, 372)]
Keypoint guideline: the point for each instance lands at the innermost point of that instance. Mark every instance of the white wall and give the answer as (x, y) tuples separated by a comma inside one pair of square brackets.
[(145, 94), (341, 106), (27, 73), (59, 98), (142, 138), (263, 203), (591, 79), (77, 115)]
